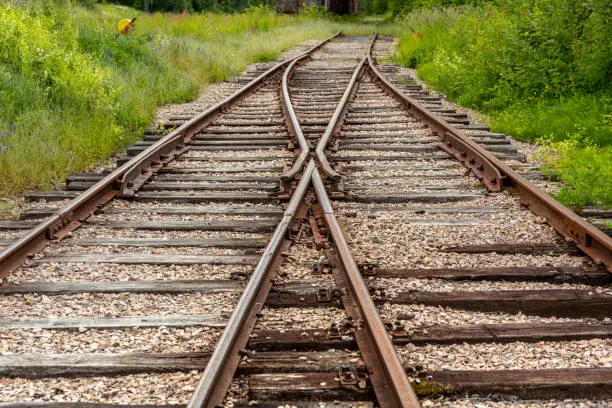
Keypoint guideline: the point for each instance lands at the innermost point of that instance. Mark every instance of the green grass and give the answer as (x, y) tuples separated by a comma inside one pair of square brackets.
[(73, 91), (539, 70)]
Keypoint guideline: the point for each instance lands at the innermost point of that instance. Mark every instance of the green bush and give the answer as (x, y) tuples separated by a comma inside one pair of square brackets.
[(73, 91), (540, 69)]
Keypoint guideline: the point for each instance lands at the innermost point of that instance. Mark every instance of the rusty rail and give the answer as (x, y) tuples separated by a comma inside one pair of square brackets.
[(497, 175), (294, 126), (456, 142), (390, 382), (126, 179), (223, 363), (338, 117)]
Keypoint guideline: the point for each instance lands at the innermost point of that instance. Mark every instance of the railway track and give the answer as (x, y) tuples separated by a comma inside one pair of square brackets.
[(331, 235)]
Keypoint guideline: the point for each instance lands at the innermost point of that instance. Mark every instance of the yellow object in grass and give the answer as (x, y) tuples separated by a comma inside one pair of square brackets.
[(125, 25)]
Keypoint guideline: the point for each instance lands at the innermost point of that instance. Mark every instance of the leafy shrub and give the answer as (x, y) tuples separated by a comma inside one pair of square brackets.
[(540, 68), (73, 91)]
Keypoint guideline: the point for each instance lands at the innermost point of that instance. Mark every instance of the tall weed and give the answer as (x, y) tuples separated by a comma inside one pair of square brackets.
[(539, 68), (73, 91)]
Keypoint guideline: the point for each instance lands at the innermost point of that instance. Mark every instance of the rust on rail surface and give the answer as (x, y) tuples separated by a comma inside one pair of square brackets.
[(388, 377), (126, 179), (222, 365), (220, 370), (333, 127), (497, 175), (295, 130)]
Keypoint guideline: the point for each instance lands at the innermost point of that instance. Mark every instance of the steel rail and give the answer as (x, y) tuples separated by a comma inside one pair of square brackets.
[(456, 142), (225, 359), (294, 125), (123, 180), (338, 117), (389, 379), (222, 365), (592, 241)]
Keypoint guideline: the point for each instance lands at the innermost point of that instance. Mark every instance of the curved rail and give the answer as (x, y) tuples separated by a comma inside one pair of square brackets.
[(496, 175), (391, 384), (337, 118), (294, 125), (124, 180)]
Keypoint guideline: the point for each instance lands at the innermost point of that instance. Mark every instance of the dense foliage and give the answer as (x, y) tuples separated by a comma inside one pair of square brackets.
[(540, 69), (396, 7), (73, 91)]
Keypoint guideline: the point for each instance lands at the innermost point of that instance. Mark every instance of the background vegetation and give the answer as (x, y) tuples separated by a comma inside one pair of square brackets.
[(73, 91), (540, 69)]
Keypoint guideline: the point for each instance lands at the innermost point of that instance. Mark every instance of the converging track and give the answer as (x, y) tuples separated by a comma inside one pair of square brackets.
[(330, 235)]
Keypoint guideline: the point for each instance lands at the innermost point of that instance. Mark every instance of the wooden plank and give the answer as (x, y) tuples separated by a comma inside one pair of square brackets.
[(505, 156), (557, 274), (355, 186), (407, 167), (317, 386), (572, 383), (171, 170), (180, 185), (244, 129), (504, 333), (442, 197), (90, 364), (474, 127), (137, 286), (262, 211), (293, 362), (501, 148), (575, 383), (366, 139), (413, 178), (17, 225), (302, 294), (595, 212), (297, 340), (403, 157), (50, 195), (220, 225), (513, 249), (255, 143), (547, 302), (433, 210), (244, 148), (169, 243), (37, 213), (153, 259), (235, 158), (233, 137), (197, 197), (391, 147), (317, 339), (218, 179), (113, 323), (195, 186), (35, 365), (444, 222)]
